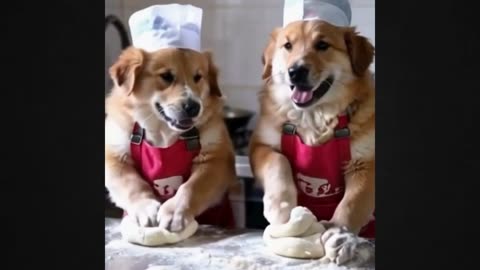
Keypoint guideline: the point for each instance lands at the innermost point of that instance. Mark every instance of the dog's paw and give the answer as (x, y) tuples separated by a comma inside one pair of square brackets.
[(347, 249), (145, 211), (172, 217), (277, 207)]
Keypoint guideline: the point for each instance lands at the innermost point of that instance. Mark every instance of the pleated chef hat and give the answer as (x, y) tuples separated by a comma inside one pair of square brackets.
[(167, 26), (336, 12)]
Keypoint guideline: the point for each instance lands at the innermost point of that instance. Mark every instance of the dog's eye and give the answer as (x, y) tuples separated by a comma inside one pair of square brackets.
[(321, 45), (288, 46), (168, 77), (197, 78)]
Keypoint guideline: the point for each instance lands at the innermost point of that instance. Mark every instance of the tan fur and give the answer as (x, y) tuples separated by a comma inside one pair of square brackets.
[(348, 57), (138, 85)]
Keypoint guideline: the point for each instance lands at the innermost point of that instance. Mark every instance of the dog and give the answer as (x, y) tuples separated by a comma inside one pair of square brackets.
[(316, 78), (164, 95)]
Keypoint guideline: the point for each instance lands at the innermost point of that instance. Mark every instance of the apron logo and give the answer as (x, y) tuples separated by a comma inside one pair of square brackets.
[(168, 186), (316, 187)]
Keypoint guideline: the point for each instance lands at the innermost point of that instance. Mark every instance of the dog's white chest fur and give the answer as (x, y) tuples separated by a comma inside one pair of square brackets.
[(314, 127)]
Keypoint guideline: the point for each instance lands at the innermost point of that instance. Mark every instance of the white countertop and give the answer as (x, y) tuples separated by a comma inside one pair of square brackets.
[(242, 166)]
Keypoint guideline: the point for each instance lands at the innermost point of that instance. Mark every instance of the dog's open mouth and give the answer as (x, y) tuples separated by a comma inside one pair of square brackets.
[(304, 96), (182, 124)]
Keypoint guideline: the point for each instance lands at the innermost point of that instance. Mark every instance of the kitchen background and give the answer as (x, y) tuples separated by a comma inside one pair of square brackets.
[(236, 31)]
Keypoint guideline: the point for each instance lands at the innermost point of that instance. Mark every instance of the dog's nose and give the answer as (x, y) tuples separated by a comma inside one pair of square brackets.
[(191, 108), (298, 74)]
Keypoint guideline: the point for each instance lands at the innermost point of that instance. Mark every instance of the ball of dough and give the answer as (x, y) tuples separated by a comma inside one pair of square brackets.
[(300, 237), (153, 236), (300, 220)]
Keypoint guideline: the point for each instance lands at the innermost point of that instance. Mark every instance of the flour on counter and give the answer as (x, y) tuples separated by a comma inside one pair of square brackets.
[(209, 249)]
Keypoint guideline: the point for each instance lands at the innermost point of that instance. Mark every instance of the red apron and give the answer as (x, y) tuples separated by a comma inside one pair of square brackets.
[(318, 171), (165, 169)]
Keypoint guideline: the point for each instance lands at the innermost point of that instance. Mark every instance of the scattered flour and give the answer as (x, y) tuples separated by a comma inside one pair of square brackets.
[(208, 249), (161, 267)]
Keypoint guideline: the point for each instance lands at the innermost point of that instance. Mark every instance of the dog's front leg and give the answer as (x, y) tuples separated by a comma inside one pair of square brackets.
[(206, 186), (357, 206), (274, 173), (353, 212), (129, 191)]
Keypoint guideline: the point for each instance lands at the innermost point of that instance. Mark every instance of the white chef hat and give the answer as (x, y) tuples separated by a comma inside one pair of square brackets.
[(167, 26), (336, 12)]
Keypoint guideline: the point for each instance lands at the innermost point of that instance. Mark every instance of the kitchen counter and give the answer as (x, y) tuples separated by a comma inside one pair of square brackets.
[(210, 248), (242, 166)]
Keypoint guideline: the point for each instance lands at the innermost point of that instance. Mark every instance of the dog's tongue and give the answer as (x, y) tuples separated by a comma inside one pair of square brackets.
[(301, 95)]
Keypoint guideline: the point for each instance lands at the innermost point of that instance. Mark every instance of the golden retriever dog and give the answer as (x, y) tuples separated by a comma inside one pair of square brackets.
[(316, 74), (165, 95)]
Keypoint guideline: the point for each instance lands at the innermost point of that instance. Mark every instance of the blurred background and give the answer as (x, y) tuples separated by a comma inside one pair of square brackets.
[(236, 31)]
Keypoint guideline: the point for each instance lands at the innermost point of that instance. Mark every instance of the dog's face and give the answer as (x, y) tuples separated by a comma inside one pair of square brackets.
[(175, 85), (308, 62)]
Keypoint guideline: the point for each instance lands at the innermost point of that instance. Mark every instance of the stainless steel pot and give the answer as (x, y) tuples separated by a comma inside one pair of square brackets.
[(236, 119)]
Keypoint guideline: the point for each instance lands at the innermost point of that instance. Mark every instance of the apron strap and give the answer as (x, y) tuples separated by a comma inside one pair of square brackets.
[(345, 131), (137, 135), (291, 129), (349, 112), (192, 139), (342, 132)]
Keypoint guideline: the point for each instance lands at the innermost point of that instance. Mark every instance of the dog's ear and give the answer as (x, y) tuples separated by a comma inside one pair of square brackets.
[(212, 75), (127, 68), (268, 54), (360, 51)]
